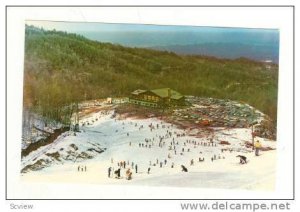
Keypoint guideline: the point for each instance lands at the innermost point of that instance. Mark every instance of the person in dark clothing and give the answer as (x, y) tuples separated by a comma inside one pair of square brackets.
[(109, 171), (149, 170), (243, 159), (183, 168), (118, 173), (136, 168)]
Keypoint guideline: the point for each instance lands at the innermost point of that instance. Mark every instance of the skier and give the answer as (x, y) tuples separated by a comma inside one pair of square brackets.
[(257, 146), (118, 173), (109, 171), (128, 174), (136, 168), (183, 168), (243, 159), (192, 162)]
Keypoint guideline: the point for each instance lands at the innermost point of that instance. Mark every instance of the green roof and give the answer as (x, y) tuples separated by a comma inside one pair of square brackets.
[(163, 93)]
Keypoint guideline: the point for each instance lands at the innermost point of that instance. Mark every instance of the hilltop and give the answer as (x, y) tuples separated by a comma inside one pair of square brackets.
[(63, 68)]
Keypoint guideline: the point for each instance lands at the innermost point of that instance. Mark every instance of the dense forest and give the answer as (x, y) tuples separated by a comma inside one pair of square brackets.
[(62, 69)]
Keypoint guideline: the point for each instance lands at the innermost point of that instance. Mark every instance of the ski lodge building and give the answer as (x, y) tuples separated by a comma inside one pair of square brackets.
[(163, 97)]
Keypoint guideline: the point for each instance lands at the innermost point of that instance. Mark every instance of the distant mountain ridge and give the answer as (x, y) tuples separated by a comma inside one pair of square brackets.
[(226, 50), (230, 43)]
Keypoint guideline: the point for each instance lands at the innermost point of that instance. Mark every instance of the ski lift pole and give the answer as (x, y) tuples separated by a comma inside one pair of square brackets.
[(253, 122), (252, 133)]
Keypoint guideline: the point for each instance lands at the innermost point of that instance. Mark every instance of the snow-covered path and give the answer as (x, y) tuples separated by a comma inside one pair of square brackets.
[(163, 152)]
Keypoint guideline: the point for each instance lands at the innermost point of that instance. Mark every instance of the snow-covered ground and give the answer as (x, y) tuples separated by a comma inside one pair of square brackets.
[(106, 140)]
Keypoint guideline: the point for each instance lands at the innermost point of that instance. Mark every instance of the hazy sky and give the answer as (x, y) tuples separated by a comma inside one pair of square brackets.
[(106, 27)]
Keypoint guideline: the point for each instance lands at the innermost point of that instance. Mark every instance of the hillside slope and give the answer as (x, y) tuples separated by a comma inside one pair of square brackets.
[(62, 68)]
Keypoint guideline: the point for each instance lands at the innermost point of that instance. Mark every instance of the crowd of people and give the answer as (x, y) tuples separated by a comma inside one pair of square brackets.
[(177, 144)]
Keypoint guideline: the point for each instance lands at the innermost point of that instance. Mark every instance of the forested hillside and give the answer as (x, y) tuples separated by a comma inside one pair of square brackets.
[(62, 68)]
